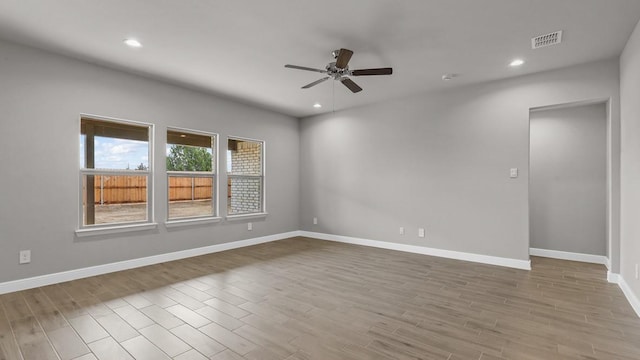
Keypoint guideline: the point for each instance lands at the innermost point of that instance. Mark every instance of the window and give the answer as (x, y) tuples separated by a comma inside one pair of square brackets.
[(191, 174), (115, 172), (245, 167)]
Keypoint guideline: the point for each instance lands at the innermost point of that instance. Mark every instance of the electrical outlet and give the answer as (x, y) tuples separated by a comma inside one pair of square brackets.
[(513, 173), (25, 256), (315, 221), (401, 230), (249, 226), (421, 232)]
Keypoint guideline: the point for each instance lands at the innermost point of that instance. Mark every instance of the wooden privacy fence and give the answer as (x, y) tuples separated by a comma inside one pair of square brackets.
[(133, 189), (190, 188)]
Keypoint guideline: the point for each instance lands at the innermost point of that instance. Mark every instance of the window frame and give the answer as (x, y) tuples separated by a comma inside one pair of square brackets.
[(214, 175), (117, 227), (263, 194)]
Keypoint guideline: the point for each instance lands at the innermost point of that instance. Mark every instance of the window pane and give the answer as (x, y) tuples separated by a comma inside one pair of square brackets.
[(190, 196), (245, 195), (121, 154), (189, 158), (190, 152), (111, 145), (246, 157), (116, 199), (186, 138)]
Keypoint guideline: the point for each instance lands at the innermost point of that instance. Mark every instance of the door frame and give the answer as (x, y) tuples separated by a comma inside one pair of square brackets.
[(613, 179)]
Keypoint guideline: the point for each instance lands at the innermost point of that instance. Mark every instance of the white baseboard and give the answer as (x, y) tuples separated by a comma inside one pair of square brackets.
[(43, 280), (613, 277), (564, 255), (628, 293), (484, 259)]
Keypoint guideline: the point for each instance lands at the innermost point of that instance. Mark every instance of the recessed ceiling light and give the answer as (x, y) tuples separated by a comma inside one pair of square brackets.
[(516, 62), (183, 135), (317, 106), (133, 43)]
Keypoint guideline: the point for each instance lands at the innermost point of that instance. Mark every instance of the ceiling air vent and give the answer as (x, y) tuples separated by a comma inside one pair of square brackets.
[(541, 41)]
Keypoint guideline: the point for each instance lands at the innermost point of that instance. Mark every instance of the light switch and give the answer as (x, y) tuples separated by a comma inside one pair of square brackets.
[(513, 173)]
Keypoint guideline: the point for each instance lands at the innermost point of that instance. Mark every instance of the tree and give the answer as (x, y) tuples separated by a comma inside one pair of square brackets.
[(141, 167), (188, 158)]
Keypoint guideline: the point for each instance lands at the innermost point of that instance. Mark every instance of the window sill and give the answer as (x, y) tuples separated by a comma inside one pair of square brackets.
[(115, 229), (194, 221), (247, 216)]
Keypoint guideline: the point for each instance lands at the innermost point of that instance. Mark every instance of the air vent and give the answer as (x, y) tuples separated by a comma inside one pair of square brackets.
[(541, 41)]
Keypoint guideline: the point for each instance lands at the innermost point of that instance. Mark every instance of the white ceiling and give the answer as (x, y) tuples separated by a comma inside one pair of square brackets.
[(237, 48)]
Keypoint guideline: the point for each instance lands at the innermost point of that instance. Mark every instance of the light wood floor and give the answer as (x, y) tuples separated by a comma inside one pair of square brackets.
[(310, 299)]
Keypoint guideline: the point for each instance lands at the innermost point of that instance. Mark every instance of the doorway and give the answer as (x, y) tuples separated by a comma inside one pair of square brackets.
[(568, 183)]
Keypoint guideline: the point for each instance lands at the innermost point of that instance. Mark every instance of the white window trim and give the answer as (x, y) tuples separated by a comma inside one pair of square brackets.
[(263, 210), (111, 228), (192, 220), (115, 229), (247, 216)]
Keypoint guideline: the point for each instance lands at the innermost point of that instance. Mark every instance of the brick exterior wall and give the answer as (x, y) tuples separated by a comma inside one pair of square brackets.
[(246, 194)]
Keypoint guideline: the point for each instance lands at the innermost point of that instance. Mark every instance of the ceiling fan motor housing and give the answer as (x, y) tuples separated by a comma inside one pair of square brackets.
[(336, 72)]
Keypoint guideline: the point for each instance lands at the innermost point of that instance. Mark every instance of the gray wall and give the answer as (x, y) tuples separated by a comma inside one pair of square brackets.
[(41, 97), (437, 160), (630, 217), (568, 179), (440, 161)]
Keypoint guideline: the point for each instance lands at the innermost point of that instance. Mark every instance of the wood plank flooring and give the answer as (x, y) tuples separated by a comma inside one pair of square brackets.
[(301, 299)]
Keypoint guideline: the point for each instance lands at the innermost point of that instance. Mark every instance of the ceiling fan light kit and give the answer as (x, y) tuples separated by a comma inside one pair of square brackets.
[(339, 70)]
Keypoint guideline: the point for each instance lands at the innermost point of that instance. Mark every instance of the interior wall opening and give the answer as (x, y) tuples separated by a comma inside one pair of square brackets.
[(568, 182)]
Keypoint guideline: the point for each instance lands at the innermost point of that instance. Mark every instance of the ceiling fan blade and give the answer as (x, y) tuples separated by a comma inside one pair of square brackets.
[(351, 85), (305, 68), (343, 58), (380, 71), (315, 83)]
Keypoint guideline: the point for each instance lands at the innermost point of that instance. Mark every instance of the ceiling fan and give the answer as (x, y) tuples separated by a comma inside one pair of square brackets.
[(339, 70)]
